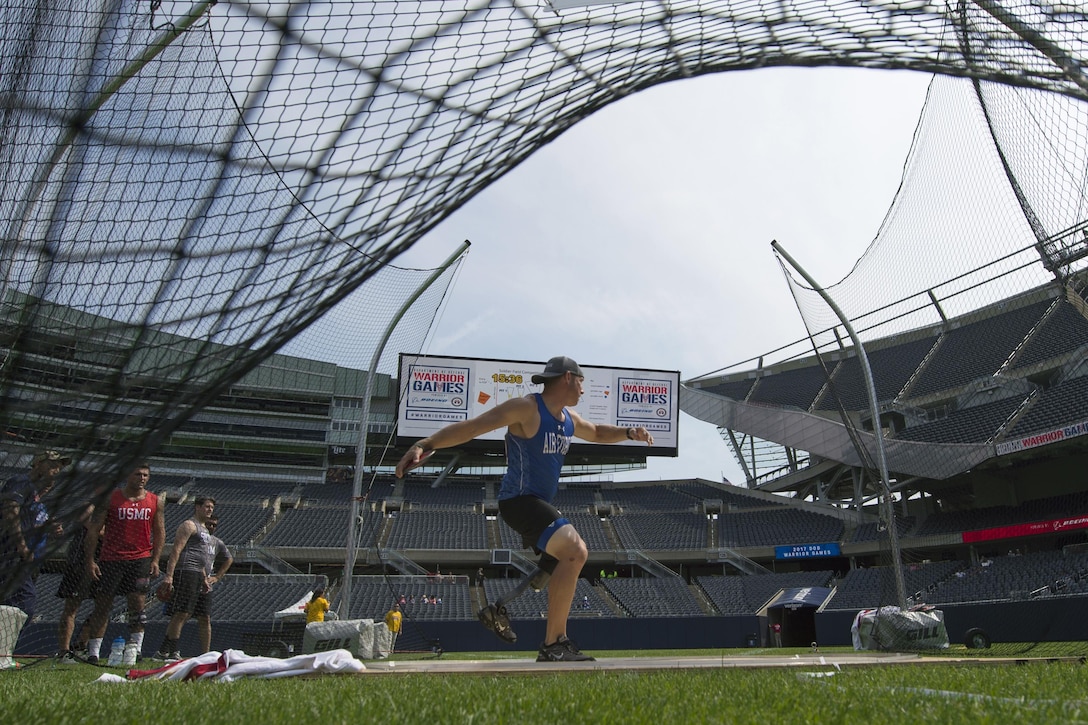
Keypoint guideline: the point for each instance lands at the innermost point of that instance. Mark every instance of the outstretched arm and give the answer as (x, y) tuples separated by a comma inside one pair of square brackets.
[(601, 433), (512, 412)]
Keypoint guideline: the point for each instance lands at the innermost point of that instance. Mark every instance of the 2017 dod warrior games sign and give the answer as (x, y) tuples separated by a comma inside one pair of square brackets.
[(436, 391)]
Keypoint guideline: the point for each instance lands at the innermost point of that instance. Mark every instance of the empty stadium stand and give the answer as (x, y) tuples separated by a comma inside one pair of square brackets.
[(438, 529), (994, 516), (669, 519), (1064, 403), (1014, 577), (661, 530), (534, 605), (338, 494), (777, 527), (650, 498), (865, 588), (654, 597), (572, 496), (975, 350), (321, 527), (1062, 331), (747, 594), (796, 388), (372, 596), (459, 496), (737, 389), (873, 530), (968, 425), (699, 492), (248, 598), (892, 367)]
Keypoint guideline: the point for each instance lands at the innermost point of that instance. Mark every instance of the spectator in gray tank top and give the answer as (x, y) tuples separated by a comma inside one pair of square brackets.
[(221, 563), (189, 576)]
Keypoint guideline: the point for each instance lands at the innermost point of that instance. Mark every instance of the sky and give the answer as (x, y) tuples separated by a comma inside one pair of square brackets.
[(641, 237)]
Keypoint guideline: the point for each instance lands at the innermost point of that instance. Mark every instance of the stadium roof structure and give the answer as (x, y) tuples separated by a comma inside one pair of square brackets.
[(234, 172), (921, 447), (968, 306)]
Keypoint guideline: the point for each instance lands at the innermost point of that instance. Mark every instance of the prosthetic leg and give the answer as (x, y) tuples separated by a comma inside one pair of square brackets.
[(494, 616)]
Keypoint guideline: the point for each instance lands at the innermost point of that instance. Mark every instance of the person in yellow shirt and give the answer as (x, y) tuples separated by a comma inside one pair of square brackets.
[(317, 607), (393, 619)]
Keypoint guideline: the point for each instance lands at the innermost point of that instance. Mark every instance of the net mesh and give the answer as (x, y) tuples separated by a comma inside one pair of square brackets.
[(972, 261), (192, 187)]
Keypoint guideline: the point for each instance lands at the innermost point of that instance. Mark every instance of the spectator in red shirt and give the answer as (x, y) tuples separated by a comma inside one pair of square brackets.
[(132, 528)]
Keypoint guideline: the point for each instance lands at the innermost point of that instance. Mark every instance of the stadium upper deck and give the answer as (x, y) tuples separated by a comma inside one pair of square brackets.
[(1000, 388)]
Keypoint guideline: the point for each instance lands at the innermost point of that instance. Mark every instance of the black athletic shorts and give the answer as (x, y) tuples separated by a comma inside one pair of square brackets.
[(122, 577), (529, 516), (189, 595), (76, 582)]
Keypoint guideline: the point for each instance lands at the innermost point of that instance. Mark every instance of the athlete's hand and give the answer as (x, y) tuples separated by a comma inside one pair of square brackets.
[(412, 459), (94, 571), (408, 461), (641, 434)]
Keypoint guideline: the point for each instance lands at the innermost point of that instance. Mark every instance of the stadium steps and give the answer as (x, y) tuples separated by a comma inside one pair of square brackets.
[(263, 532), (925, 362), (477, 598), (703, 600), (613, 604), (494, 536), (385, 532), (610, 532)]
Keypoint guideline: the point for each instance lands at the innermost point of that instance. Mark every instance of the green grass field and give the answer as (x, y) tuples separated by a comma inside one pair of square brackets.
[(939, 691)]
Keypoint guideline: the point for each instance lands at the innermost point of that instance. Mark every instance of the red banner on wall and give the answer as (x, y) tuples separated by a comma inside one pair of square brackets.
[(1033, 529)]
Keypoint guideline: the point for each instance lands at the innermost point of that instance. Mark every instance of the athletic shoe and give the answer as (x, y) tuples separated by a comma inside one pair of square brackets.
[(496, 619), (67, 657), (562, 650), (91, 659), (168, 655)]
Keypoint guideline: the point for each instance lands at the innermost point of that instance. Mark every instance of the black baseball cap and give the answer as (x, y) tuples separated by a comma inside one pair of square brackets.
[(557, 366)]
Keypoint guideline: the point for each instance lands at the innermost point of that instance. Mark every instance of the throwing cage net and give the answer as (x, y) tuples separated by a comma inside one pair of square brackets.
[(970, 308), (191, 187)]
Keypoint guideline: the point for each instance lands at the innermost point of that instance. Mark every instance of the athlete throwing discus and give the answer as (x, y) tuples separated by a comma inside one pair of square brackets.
[(539, 429)]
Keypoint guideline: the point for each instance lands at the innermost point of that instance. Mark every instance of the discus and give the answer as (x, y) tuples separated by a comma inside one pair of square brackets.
[(420, 462)]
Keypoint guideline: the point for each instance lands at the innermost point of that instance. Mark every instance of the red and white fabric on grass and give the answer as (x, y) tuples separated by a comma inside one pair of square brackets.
[(234, 665)]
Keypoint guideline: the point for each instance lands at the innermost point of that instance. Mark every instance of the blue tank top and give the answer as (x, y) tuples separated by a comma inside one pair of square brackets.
[(533, 464)]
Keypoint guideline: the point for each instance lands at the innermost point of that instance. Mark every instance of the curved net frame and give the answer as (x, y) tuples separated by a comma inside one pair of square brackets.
[(228, 172), (190, 186), (1001, 231)]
